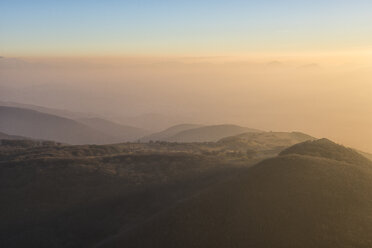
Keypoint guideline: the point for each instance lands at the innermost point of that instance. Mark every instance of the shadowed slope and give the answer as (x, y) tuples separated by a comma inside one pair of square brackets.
[(327, 149), (55, 195), (293, 200)]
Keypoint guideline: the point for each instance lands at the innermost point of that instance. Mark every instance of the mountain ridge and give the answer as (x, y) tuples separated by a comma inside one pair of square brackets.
[(210, 133), (120, 132), (170, 131), (38, 125)]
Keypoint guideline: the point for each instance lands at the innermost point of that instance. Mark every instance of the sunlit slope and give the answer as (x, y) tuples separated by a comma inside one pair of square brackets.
[(316, 194), (264, 140), (209, 133)]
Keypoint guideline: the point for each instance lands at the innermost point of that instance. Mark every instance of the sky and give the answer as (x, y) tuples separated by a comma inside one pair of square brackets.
[(280, 65), (194, 27)]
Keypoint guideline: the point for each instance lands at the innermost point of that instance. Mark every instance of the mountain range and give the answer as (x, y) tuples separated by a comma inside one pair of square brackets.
[(68, 127), (255, 189), (46, 126), (37, 125)]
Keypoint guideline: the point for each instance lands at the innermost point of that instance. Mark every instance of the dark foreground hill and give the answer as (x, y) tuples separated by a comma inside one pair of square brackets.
[(315, 194), (37, 125), (53, 195)]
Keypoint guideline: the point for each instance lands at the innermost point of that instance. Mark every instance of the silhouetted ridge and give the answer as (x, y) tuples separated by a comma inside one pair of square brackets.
[(326, 149)]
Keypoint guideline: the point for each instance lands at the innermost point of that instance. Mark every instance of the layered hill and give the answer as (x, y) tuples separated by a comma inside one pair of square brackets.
[(325, 148), (118, 131), (169, 132), (38, 125), (209, 133), (46, 110), (314, 194)]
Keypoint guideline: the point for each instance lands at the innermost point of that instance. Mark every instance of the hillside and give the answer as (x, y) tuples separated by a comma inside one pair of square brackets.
[(209, 133), (264, 140), (169, 132), (325, 148), (55, 195), (37, 125), (120, 132), (365, 154), (303, 199)]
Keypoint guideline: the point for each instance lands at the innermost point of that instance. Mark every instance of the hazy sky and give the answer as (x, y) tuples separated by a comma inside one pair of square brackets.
[(196, 27), (276, 65)]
